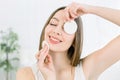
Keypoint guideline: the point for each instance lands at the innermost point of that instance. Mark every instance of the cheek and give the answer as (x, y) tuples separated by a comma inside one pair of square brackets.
[(69, 39), (46, 33), (47, 30)]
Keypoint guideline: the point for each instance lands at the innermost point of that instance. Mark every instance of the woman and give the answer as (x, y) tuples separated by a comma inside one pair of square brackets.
[(61, 59)]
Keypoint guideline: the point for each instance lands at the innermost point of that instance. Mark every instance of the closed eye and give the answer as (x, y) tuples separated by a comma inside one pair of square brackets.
[(52, 24)]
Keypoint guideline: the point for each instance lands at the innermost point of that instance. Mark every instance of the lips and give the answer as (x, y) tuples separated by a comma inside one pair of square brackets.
[(54, 40)]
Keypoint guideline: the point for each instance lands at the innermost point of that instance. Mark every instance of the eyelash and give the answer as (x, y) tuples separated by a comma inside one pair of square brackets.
[(53, 24)]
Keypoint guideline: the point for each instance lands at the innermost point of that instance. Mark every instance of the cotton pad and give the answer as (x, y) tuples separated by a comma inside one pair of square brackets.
[(70, 27), (45, 42)]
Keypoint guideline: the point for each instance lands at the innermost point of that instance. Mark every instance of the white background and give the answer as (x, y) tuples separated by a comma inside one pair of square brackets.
[(27, 18)]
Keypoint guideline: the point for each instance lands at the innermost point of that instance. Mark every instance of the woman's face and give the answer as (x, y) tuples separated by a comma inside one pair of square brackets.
[(57, 38)]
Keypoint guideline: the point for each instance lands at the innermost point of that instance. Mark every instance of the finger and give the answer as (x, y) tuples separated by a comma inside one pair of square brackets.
[(43, 54), (76, 10), (72, 15), (49, 58), (71, 11), (37, 55), (49, 61)]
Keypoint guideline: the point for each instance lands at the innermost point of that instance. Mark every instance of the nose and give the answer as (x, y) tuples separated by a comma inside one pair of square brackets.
[(58, 31)]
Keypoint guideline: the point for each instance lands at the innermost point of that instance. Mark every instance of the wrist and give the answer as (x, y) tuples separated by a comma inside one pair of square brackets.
[(93, 10), (90, 9)]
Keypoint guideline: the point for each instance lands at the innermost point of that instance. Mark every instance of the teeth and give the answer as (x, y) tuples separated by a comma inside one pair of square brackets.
[(54, 39)]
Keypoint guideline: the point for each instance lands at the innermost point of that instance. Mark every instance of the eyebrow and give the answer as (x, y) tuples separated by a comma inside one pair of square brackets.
[(55, 18)]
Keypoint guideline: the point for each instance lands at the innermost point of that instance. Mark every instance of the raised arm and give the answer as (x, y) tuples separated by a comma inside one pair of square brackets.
[(100, 60), (112, 15), (77, 9)]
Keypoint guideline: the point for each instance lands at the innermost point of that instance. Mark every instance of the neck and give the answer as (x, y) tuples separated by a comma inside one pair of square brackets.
[(60, 60), (62, 65)]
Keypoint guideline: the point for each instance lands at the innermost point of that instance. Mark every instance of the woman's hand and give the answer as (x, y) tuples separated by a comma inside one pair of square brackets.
[(74, 10), (45, 63)]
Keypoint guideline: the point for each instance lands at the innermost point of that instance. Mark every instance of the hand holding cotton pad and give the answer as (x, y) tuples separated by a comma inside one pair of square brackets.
[(70, 27), (45, 43)]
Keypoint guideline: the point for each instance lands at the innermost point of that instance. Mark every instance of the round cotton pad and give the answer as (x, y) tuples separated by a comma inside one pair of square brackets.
[(45, 42), (70, 27)]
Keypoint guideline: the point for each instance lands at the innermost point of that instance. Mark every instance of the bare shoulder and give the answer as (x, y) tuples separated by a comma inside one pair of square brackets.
[(25, 74)]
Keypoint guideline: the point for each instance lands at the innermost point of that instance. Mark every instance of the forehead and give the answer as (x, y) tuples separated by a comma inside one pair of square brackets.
[(60, 15)]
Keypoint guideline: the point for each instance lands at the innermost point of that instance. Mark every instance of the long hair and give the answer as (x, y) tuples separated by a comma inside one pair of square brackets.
[(75, 50)]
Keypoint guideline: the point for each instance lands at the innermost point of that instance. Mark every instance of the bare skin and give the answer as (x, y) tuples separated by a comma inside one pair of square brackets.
[(104, 57)]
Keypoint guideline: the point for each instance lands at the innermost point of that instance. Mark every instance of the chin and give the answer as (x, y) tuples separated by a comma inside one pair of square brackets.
[(57, 49)]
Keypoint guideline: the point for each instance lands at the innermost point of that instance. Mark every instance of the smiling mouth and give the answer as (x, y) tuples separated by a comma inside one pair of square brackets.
[(54, 40)]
